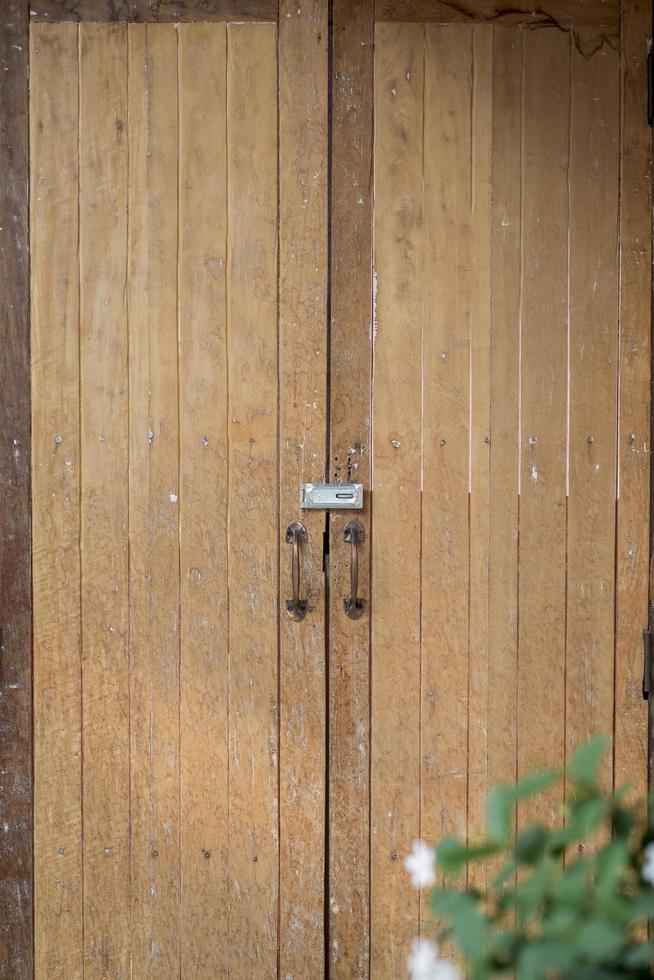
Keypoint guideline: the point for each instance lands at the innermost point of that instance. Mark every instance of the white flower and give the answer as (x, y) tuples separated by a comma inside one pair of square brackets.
[(425, 963), (647, 870), (421, 865)]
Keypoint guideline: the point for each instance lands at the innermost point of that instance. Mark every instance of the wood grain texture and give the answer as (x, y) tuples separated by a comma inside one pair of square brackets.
[(559, 13), (396, 574), (634, 451), (480, 707), (303, 77), (350, 436), (152, 11), (505, 392), (104, 497), (448, 296), (154, 500), (16, 848), (54, 233), (203, 500), (253, 504), (593, 326), (544, 329)]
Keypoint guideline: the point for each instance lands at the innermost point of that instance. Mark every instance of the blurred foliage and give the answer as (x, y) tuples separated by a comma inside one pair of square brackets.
[(570, 901)]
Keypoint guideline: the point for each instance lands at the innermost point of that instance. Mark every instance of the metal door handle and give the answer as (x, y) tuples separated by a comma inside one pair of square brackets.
[(296, 534), (353, 605)]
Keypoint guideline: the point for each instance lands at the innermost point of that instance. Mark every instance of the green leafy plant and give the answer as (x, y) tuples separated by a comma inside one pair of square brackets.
[(569, 902)]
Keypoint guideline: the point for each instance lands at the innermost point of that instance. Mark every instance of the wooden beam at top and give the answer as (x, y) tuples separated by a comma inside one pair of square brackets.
[(153, 11), (559, 13)]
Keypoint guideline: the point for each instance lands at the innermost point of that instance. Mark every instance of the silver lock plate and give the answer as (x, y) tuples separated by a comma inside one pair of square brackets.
[(331, 496)]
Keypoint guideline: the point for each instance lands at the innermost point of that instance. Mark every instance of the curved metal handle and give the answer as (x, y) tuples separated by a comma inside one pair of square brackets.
[(296, 534), (353, 605)]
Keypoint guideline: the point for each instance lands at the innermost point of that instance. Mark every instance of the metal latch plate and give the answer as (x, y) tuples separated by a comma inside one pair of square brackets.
[(331, 496)]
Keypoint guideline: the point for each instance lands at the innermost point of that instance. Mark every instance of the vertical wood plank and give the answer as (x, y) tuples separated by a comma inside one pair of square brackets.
[(153, 507), (505, 391), (634, 451), (303, 88), (448, 297), (56, 488), (396, 677), (104, 501), (544, 325), (350, 405), (16, 848), (253, 504), (204, 837), (479, 707), (593, 178)]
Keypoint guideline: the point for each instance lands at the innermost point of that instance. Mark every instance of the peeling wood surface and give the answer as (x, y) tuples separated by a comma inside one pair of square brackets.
[(350, 438), (558, 13), (16, 848), (153, 11)]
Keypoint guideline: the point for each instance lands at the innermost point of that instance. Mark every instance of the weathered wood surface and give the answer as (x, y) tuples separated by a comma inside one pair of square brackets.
[(480, 707), (253, 503), (543, 409), (54, 234), (16, 849), (504, 501), (154, 500), (593, 386), (197, 691), (204, 664), (396, 569), (450, 168), (558, 13), (153, 11), (303, 271), (104, 522), (634, 449), (503, 354), (350, 436)]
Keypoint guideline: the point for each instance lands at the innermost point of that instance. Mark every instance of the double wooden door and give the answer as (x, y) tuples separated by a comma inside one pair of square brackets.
[(220, 789)]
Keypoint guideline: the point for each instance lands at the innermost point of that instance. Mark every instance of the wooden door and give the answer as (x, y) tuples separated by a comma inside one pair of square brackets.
[(459, 321), (508, 474), (179, 814)]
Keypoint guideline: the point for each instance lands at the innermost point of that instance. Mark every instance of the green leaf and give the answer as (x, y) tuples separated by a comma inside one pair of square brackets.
[(640, 955), (499, 814), (451, 855), (469, 927), (599, 941), (530, 844), (622, 822), (586, 816), (612, 862), (583, 765), (539, 958), (640, 907), (535, 783)]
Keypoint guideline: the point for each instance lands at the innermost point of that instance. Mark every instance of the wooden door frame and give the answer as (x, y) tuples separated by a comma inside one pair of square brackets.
[(350, 311)]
